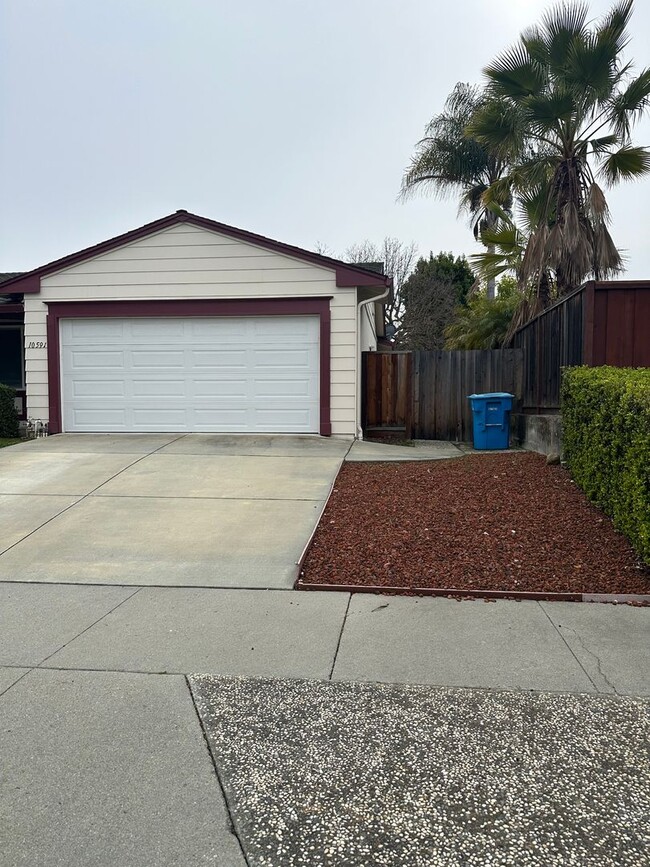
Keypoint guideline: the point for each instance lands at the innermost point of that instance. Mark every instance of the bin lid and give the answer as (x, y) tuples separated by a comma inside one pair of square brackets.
[(490, 394)]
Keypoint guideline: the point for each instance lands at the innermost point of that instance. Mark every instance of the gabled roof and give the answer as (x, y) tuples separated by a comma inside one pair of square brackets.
[(347, 275)]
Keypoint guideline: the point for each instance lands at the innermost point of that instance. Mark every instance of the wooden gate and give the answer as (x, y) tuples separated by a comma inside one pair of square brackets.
[(387, 394)]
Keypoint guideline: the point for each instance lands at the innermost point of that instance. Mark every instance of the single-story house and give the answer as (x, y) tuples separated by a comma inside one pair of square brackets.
[(186, 324)]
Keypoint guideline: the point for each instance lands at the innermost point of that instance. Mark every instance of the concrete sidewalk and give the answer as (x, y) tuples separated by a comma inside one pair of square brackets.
[(550, 646)]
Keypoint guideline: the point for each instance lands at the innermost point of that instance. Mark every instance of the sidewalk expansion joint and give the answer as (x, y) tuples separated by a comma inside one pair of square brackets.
[(206, 739), (570, 649), (599, 665), (7, 688), (90, 626), (338, 643)]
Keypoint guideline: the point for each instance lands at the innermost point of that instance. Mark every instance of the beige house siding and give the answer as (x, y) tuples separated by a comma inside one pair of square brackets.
[(368, 333), (188, 262)]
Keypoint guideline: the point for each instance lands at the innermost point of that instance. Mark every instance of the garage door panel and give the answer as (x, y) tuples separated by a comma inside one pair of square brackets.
[(220, 388), (86, 331), (285, 420), (88, 419), (165, 419), (281, 388), (213, 374), (218, 359), (157, 330), (273, 327), (227, 421), (228, 330), (158, 387), (282, 359), (94, 359), (158, 359), (98, 387)]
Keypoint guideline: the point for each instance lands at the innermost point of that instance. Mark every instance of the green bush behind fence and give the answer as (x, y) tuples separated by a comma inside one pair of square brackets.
[(606, 440), (8, 415)]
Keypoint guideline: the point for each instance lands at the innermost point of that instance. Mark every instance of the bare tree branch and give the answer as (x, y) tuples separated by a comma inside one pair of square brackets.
[(398, 260)]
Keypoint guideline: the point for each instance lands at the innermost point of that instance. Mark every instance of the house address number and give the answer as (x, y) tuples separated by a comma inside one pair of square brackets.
[(37, 344)]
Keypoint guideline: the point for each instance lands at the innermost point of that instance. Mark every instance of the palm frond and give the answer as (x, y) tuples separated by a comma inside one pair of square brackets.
[(602, 144), (446, 160), (498, 194), (628, 106), (597, 207), (536, 44), (613, 25), (625, 164), (544, 111), (535, 170), (607, 258), (514, 74), (561, 24), (533, 205), (498, 127), (590, 69), (490, 266)]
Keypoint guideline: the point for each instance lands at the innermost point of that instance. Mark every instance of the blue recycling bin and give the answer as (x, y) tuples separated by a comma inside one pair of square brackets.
[(491, 417)]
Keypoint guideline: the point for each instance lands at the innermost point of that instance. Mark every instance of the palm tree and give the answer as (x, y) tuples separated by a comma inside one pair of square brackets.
[(507, 244), (565, 103), (449, 162)]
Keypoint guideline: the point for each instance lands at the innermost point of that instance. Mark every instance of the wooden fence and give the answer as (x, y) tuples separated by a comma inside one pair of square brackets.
[(423, 395), (602, 322), (550, 342)]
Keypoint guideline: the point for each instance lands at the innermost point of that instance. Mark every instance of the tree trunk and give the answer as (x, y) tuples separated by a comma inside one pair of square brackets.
[(544, 290), (491, 283)]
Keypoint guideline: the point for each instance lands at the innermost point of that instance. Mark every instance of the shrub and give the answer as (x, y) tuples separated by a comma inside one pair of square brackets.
[(483, 323), (8, 415), (606, 438)]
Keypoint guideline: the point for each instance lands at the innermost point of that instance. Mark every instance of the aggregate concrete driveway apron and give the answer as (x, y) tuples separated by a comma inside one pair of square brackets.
[(195, 510)]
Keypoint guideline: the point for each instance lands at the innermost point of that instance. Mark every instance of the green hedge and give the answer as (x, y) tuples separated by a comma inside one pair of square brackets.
[(606, 442), (8, 415)]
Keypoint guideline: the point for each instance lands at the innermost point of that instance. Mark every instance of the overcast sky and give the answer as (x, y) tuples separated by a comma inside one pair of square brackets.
[(291, 118)]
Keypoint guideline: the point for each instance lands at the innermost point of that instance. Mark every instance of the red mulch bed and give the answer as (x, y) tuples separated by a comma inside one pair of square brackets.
[(481, 522)]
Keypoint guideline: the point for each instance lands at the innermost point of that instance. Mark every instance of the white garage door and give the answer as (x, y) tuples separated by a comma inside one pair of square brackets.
[(248, 374)]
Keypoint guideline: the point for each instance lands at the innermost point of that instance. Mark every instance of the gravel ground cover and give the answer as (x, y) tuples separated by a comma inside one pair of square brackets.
[(323, 774), (482, 522)]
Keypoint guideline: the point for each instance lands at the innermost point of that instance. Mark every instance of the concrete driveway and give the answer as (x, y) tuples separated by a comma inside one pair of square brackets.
[(191, 510)]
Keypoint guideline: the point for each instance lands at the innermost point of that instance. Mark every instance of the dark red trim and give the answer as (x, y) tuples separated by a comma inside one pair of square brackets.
[(53, 372), (347, 275), (325, 372), (57, 310)]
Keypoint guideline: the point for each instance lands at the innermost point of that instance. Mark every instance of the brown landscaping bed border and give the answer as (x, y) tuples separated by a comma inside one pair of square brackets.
[(540, 596)]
